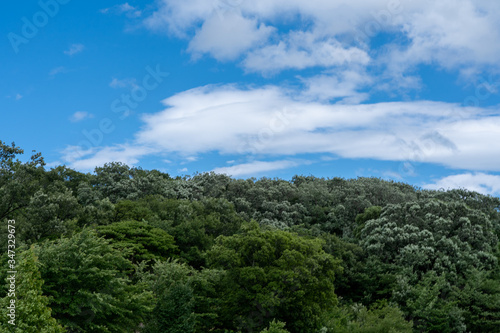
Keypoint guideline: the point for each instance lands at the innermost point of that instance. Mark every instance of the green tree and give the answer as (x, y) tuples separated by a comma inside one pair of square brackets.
[(87, 281), (431, 305), (117, 181), (18, 181), (480, 295), (275, 327), (139, 240), (174, 310), (446, 237), (33, 314), (356, 318), (371, 213), (274, 274), (186, 299), (51, 213)]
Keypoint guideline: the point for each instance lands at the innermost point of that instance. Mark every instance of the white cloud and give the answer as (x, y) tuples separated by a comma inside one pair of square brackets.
[(226, 38), (87, 159), (300, 50), (344, 85), (183, 170), (74, 49), (80, 115), (53, 164), (453, 34), (273, 121), (479, 182), (178, 16), (268, 120), (255, 168)]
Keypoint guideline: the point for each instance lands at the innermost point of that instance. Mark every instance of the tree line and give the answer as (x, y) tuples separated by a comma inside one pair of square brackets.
[(124, 249)]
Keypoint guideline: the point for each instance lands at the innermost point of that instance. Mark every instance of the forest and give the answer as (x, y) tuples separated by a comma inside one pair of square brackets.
[(124, 249)]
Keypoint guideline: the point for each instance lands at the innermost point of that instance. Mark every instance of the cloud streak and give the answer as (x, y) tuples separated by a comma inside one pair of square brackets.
[(80, 116), (256, 167), (74, 49)]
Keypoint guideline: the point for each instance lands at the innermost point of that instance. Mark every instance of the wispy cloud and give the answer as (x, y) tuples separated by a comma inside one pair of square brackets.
[(58, 70), (301, 50), (123, 83), (74, 49), (87, 159), (80, 116), (17, 96), (125, 8), (342, 86), (255, 168), (479, 182)]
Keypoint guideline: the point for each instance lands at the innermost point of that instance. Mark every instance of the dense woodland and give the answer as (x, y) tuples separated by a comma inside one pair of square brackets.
[(124, 249)]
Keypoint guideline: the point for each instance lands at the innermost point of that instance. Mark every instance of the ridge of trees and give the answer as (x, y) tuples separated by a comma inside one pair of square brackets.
[(124, 249)]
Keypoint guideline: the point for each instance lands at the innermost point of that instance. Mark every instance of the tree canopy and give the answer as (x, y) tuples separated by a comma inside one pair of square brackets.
[(124, 249)]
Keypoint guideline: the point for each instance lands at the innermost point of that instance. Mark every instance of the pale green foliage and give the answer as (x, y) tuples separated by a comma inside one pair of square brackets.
[(33, 314), (275, 327), (432, 235), (356, 318), (117, 181), (88, 282), (50, 214)]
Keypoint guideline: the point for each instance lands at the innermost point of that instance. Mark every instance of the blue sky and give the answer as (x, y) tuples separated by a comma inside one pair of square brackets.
[(397, 89)]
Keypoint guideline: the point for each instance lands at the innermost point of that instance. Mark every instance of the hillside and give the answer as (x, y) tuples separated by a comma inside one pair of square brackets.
[(124, 249)]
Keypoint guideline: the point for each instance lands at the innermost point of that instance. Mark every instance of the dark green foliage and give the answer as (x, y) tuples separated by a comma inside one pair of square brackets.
[(274, 274), (354, 281), (18, 183), (391, 252), (480, 295), (186, 299), (139, 240), (371, 213), (193, 224), (174, 310), (431, 306)]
